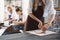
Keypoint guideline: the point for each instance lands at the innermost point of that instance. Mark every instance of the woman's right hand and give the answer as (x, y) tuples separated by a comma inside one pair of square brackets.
[(40, 25)]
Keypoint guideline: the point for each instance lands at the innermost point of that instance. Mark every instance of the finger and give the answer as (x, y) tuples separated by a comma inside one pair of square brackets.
[(39, 25), (43, 29), (40, 22)]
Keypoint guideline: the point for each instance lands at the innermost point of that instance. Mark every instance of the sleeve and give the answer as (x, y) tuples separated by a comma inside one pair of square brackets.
[(30, 6), (26, 8), (49, 9)]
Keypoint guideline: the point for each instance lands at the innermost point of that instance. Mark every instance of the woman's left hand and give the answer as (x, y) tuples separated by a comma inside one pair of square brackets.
[(45, 26)]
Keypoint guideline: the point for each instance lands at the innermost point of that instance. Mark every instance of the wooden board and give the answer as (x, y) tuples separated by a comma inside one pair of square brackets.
[(38, 32)]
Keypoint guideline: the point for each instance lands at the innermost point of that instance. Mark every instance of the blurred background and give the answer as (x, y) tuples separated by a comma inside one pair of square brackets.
[(13, 4)]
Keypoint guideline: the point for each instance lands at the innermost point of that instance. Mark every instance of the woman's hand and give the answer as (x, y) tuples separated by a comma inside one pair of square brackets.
[(40, 25), (45, 26)]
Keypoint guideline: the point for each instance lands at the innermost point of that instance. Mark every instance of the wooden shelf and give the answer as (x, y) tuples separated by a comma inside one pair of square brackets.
[(57, 9)]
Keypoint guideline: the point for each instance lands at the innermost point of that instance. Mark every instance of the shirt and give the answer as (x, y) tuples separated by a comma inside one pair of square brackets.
[(49, 9), (27, 6), (7, 15), (16, 17)]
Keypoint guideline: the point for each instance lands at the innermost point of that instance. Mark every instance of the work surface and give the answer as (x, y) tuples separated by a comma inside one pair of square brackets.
[(27, 36)]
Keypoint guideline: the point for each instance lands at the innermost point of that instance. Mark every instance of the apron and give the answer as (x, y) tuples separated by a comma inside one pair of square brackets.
[(33, 24)]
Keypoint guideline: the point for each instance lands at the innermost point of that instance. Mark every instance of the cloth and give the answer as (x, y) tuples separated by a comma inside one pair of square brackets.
[(18, 27), (17, 17)]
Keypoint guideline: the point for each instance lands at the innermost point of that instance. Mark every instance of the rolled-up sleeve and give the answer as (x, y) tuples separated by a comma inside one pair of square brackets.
[(51, 7), (26, 8), (49, 10)]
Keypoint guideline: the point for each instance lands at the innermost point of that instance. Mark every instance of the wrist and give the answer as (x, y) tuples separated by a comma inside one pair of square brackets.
[(39, 21), (49, 23)]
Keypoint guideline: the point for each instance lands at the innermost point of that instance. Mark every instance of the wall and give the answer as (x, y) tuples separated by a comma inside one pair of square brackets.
[(1, 10)]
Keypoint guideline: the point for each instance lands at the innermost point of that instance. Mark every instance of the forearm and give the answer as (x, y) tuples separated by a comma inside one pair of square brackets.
[(20, 22), (25, 24), (33, 17), (51, 18), (49, 22)]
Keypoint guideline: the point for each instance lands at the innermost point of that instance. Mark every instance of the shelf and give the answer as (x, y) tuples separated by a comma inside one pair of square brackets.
[(58, 9)]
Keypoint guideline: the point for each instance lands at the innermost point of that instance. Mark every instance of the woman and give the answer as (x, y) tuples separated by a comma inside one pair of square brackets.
[(38, 12)]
